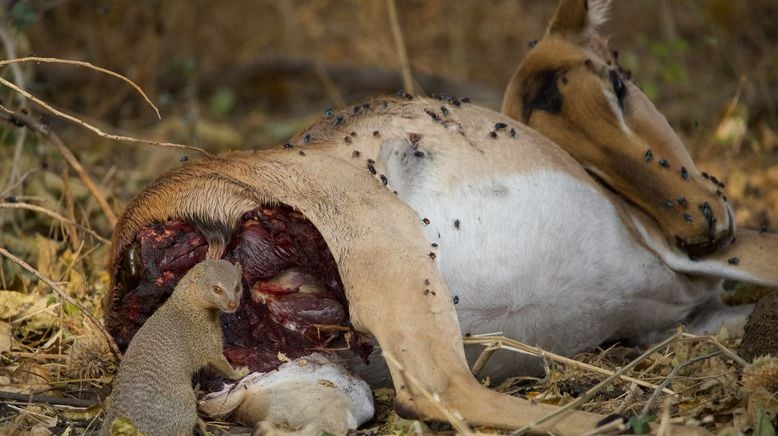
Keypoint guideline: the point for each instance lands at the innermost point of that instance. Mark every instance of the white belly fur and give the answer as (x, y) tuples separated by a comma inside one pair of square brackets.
[(546, 260)]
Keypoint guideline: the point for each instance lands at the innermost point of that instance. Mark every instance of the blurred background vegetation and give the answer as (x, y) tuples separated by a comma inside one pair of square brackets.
[(249, 73)]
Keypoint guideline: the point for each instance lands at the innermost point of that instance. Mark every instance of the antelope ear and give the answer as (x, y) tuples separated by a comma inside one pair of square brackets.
[(577, 19)]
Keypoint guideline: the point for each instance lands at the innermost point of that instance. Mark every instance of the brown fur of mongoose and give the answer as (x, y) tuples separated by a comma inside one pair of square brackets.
[(153, 387)]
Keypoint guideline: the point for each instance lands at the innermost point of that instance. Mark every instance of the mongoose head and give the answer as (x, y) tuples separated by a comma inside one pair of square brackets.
[(218, 284)]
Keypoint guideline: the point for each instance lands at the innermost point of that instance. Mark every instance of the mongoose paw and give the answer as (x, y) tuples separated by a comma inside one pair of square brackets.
[(240, 372)]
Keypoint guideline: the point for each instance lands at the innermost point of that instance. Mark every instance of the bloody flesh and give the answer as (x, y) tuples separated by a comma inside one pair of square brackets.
[(293, 300)]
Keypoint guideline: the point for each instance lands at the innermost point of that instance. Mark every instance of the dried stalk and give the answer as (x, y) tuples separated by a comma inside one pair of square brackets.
[(56, 216), (59, 291), (715, 342), (34, 124), (82, 64), (502, 342), (670, 377), (45, 399), (10, 51), (599, 386), (405, 65), (95, 129)]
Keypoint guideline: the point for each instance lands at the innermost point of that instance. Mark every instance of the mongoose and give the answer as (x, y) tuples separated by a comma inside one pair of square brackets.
[(153, 387)]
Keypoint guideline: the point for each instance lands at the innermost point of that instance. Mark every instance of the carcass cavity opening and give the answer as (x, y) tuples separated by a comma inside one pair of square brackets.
[(293, 300)]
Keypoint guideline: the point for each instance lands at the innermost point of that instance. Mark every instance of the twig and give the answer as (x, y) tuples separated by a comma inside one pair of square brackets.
[(54, 215), (45, 399), (664, 421), (712, 339), (617, 425), (484, 357), (81, 64), (71, 233), (452, 417), (633, 389), (405, 66), (65, 297), (30, 122), (95, 129), (10, 52), (599, 386), (326, 81), (505, 343), (670, 377), (36, 356)]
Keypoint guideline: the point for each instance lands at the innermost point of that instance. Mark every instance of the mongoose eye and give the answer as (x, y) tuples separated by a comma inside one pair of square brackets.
[(218, 290)]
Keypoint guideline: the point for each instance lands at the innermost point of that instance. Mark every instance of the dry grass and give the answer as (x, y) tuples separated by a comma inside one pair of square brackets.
[(710, 66)]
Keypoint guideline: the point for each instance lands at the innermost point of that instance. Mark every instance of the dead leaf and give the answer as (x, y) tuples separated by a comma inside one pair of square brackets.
[(13, 303), (123, 427), (48, 262), (6, 337), (31, 377)]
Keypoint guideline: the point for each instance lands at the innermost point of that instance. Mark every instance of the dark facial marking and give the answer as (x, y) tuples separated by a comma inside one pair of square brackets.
[(618, 87), (542, 94)]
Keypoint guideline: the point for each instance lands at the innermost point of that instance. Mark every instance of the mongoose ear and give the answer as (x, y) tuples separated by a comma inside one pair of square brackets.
[(577, 19), (240, 268)]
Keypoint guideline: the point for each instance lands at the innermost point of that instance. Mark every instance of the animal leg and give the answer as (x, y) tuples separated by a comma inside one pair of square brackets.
[(400, 298)]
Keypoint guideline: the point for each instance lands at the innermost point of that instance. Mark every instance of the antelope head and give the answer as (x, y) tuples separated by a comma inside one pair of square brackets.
[(571, 89)]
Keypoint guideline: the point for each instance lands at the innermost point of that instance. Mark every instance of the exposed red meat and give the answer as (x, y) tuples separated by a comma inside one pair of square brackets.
[(293, 299)]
